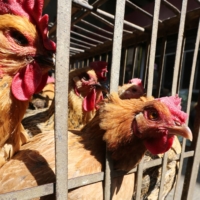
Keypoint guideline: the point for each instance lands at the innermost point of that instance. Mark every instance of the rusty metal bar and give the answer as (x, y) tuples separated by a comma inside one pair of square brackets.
[(96, 27), (179, 46), (171, 7), (83, 29), (88, 38), (92, 45), (107, 22), (79, 45), (61, 97), (139, 28)]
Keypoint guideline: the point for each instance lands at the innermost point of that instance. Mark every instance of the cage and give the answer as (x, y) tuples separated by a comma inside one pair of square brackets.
[(154, 40)]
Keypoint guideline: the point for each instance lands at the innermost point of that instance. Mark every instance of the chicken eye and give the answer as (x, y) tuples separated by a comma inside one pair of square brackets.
[(152, 114), (19, 38)]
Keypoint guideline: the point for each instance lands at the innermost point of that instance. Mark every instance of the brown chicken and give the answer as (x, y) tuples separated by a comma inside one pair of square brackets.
[(136, 125), (26, 55), (85, 93), (152, 176), (133, 89)]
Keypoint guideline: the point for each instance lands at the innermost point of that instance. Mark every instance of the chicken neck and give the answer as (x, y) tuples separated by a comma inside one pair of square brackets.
[(12, 133)]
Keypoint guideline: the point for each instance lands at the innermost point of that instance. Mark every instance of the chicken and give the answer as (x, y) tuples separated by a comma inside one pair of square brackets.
[(152, 176), (135, 126), (26, 55), (86, 87), (133, 89), (85, 93)]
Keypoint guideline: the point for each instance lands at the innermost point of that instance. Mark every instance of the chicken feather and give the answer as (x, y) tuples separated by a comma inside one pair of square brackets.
[(25, 58), (86, 150)]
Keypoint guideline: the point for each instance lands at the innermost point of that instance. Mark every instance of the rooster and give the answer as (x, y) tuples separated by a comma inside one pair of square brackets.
[(133, 126), (26, 55)]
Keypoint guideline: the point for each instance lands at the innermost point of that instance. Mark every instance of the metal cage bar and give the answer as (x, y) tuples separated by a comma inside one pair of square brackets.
[(61, 97)]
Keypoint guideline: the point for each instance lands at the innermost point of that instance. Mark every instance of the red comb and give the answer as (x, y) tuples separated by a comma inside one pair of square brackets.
[(100, 67), (174, 105), (136, 81), (31, 9)]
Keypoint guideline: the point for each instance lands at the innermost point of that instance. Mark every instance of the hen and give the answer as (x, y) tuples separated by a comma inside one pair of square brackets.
[(133, 89), (26, 55), (85, 93), (152, 176), (136, 125)]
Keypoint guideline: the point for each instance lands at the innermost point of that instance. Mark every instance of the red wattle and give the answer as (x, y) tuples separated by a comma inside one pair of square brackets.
[(28, 81), (89, 101), (160, 144)]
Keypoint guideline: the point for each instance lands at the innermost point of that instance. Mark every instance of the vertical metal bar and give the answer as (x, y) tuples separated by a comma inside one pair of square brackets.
[(178, 186), (115, 68), (134, 61), (162, 61), (88, 62), (124, 66), (107, 57), (150, 82), (192, 177), (179, 46), (181, 65), (139, 180), (188, 193), (194, 63), (147, 50), (61, 97), (164, 170), (117, 43), (153, 46)]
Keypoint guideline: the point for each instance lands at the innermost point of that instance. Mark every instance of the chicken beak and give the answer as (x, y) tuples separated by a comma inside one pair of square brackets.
[(102, 86), (46, 61), (182, 130)]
